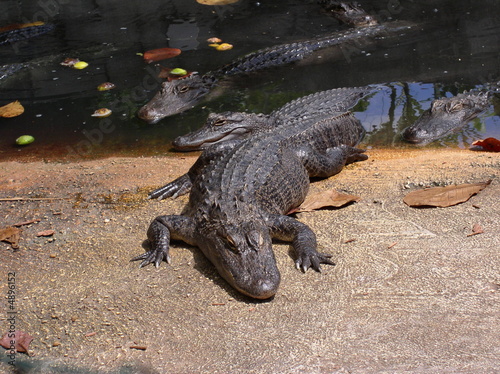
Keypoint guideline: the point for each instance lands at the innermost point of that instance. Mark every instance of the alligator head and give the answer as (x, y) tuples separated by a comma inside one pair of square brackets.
[(175, 96), (220, 127), (243, 256), (445, 116), (350, 13)]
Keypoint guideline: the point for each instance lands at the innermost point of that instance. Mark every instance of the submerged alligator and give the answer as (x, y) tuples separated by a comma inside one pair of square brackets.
[(449, 115), (240, 125), (444, 116), (181, 94), (240, 192)]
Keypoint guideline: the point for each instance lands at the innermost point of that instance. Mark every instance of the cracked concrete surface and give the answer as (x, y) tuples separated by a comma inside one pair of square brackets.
[(410, 292)]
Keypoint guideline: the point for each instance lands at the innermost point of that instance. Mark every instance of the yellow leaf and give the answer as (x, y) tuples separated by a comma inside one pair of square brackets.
[(216, 2), (13, 109)]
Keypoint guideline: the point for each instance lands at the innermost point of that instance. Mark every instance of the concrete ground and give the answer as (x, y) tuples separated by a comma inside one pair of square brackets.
[(411, 292)]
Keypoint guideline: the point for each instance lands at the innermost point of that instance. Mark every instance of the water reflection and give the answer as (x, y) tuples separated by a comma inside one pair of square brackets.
[(459, 42)]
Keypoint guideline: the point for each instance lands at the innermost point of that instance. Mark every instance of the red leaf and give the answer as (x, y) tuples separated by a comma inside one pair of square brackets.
[(488, 144), (46, 233), (161, 54), (18, 340)]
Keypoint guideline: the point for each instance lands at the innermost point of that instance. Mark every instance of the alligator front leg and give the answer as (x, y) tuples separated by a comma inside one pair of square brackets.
[(161, 230), (303, 242), (331, 162), (183, 184)]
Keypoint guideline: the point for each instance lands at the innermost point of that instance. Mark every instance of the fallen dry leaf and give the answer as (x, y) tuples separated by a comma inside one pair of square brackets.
[(46, 233), (160, 54), (21, 340), (11, 235), (444, 196), (327, 198), (139, 347), (488, 144), (476, 229), (10, 110), (29, 222)]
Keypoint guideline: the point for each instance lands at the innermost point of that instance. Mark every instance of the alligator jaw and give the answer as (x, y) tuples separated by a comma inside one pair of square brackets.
[(174, 97)]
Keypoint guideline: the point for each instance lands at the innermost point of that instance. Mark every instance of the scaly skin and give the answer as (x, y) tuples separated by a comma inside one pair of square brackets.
[(240, 193), (235, 125), (181, 94), (445, 116)]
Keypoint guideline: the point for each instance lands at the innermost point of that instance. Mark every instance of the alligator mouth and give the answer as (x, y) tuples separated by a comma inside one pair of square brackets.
[(182, 144)]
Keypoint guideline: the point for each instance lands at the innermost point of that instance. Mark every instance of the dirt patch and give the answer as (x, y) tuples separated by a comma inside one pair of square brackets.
[(410, 292)]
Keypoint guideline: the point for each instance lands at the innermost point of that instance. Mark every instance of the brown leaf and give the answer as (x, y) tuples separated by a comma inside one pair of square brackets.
[(476, 229), (46, 233), (139, 347), (13, 109), (444, 196), (18, 340), (11, 235), (160, 54), (29, 222), (488, 144), (327, 198)]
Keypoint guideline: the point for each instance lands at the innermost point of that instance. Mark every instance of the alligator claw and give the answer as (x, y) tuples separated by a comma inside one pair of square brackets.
[(174, 189), (153, 257), (313, 261)]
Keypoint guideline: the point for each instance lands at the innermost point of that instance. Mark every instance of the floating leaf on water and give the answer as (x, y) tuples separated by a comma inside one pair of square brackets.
[(444, 196), (101, 113), (106, 86), (488, 144), (224, 47), (327, 198), (160, 54), (70, 62), (216, 2), (166, 73), (25, 140), (10, 110), (214, 40), (80, 65), (178, 71)]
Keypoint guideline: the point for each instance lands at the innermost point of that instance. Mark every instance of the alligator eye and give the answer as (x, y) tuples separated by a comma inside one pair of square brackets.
[(219, 122), (183, 89), (232, 244), (456, 108)]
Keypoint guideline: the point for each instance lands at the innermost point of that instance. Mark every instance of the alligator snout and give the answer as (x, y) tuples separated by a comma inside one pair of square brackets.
[(150, 115)]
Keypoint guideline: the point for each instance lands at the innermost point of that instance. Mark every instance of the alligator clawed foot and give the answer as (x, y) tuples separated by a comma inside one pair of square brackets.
[(155, 256), (313, 261)]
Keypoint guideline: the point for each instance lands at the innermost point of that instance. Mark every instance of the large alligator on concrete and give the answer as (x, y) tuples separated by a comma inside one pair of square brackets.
[(240, 125), (181, 94), (448, 115), (240, 192)]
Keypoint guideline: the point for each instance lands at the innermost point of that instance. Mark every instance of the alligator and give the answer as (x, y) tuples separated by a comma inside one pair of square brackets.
[(18, 32), (240, 192), (178, 95), (349, 13), (448, 115), (240, 125)]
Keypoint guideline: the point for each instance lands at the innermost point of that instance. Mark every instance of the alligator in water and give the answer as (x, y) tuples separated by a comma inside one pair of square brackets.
[(19, 32), (240, 192), (181, 94), (449, 115), (239, 125), (349, 13)]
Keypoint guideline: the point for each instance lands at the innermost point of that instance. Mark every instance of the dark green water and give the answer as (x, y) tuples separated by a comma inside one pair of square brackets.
[(457, 48)]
